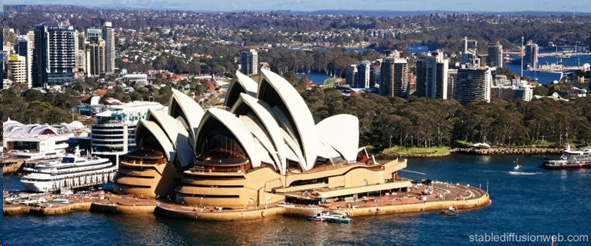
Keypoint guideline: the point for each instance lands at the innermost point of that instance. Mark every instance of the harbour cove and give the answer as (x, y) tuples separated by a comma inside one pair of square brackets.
[(516, 206)]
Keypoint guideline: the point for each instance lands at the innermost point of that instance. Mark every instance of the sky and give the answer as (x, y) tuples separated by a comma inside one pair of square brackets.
[(312, 5)]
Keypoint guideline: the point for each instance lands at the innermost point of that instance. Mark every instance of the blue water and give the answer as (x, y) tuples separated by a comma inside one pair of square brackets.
[(533, 200), (547, 78), (418, 49), (318, 78)]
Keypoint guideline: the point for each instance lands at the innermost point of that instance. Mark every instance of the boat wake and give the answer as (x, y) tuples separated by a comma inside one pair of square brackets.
[(524, 173)]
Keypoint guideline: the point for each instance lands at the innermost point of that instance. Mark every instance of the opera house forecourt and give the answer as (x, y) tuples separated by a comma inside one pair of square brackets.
[(262, 154)]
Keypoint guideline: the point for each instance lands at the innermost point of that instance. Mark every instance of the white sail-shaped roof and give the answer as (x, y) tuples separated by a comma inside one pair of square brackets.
[(166, 122), (236, 127), (263, 153), (185, 107), (277, 91), (262, 138), (263, 111), (143, 127), (177, 135), (241, 84), (294, 149), (342, 133), (184, 150)]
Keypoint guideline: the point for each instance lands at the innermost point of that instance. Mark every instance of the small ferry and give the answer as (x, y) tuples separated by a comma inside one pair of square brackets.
[(334, 217), (71, 172), (570, 160)]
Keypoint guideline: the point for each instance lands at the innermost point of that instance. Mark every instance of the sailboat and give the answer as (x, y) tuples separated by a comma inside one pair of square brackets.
[(517, 165)]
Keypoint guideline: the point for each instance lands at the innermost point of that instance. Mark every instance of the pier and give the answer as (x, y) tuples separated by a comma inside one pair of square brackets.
[(10, 166)]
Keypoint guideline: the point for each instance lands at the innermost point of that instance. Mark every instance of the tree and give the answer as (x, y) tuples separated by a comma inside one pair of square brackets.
[(33, 95)]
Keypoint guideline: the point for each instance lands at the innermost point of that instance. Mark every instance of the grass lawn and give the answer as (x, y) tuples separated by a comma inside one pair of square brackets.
[(417, 150), (329, 81)]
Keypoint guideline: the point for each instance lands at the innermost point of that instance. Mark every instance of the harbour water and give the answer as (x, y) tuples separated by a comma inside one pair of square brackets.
[(526, 202), (545, 77)]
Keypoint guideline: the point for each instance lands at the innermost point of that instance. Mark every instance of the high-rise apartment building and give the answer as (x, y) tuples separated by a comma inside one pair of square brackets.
[(351, 76), (54, 54), (24, 48), (363, 75), (394, 77), (96, 58), (495, 55), (473, 84), (17, 70), (530, 60), (432, 76), (360, 75), (452, 77), (249, 60), (109, 37)]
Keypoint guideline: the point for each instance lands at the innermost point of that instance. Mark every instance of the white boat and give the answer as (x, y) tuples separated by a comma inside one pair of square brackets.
[(451, 211), (335, 217), (71, 172), (571, 159), (517, 165)]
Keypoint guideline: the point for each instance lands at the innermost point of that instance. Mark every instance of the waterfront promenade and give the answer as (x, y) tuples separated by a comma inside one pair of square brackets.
[(421, 198)]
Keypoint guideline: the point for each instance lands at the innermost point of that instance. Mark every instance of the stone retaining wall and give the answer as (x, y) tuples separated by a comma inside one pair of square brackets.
[(505, 151)]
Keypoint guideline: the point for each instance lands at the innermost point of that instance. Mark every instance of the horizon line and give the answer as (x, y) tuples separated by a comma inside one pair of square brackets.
[(297, 11)]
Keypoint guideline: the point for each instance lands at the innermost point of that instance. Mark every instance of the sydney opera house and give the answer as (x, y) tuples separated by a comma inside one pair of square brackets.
[(262, 147)]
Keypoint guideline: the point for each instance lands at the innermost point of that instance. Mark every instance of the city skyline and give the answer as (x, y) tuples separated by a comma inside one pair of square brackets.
[(308, 5)]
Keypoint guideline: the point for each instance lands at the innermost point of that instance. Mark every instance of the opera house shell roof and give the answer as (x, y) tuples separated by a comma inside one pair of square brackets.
[(263, 139)]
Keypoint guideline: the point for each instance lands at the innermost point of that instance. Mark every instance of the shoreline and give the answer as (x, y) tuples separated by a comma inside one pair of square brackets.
[(475, 151), (463, 197), (508, 151)]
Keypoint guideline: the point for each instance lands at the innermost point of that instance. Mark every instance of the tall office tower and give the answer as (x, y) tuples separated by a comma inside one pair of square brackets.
[(452, 77), (24, 48), (96, 58), (17, 70), (109, 37), (495, 55), (473, 84), (376, 77), (6, 52), (470, 55), (249, 60), (54, 54), (363, 75), (432, 76), (81, 61), (351, 76), (530, 60), (394, 77)]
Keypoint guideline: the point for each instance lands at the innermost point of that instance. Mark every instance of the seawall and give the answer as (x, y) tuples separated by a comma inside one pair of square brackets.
[(507, 151)]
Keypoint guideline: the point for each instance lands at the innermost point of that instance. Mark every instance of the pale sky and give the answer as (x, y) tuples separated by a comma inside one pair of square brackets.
[(311, 5)]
